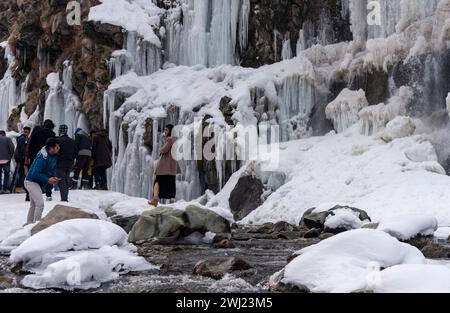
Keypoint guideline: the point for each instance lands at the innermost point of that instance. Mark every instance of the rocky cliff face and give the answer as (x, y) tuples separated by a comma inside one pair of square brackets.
[(42, 40), (272, 22)]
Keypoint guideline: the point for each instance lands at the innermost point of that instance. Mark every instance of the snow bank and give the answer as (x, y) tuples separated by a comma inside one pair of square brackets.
[(134, 16), (413, 278), (357, 171), (344, 262), (405, 227), (78, 234)]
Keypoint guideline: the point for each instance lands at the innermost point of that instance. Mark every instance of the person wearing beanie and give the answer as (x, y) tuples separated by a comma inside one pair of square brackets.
[(37, 140), (65, 162)]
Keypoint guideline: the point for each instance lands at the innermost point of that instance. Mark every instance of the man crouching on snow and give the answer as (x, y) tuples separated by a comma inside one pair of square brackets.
[(41, 174)]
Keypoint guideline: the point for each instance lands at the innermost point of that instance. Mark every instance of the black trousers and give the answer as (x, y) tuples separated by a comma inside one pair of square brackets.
[(64, 183), (20, 175), (82, 165), (100, 177)]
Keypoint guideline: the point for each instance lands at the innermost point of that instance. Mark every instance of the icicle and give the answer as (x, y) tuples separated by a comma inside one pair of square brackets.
[(301, 43), (286, 51), (243, 24)]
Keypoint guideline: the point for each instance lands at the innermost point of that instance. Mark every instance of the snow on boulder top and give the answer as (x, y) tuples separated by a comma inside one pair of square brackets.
[(342, 263), (134, 16), (408, 226), (77, 234), (344, 218)]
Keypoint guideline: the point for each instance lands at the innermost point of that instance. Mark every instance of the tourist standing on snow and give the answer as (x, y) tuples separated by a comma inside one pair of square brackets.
[(83, 148), (66, 159), (19, 157), (41, 174), (37, 140), (164, 186), (6, 154), (102, 157)]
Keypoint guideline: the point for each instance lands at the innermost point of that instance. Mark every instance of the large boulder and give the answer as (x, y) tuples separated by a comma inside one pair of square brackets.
[(61, 213), (158, 223), (246, 196), (168, 224), (217, 267), (334, 220), (203, 221)]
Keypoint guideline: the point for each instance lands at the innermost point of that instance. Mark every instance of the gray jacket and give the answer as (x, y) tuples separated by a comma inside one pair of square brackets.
[(6, 148)]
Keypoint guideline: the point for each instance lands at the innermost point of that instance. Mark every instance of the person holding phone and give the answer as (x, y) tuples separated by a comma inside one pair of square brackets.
[(42, 173)]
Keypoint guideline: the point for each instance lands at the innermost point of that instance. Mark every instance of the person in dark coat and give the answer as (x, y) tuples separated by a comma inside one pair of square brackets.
[(66, 159), (83, 148), (37, 140), (19, 157), (6, 154), (102, 157)]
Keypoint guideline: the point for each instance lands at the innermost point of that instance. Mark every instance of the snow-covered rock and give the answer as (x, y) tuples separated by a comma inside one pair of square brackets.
[(77, 234), (422, 152), (343, 219), (343, 263), (84, 269), (405, 227), (400, 127), (413, 278), (334, 220), (76, 254), (133, 16)]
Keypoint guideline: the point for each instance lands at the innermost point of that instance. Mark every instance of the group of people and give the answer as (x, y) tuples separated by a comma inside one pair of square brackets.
[(45, 161)]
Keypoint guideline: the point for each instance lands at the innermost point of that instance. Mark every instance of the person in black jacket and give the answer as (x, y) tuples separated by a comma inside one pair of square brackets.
[(65, 162), (102, 156), (19, 157), (83, 148), (38, 140)]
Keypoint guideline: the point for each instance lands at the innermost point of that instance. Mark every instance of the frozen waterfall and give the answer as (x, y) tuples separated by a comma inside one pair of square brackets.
[(207, 32)]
